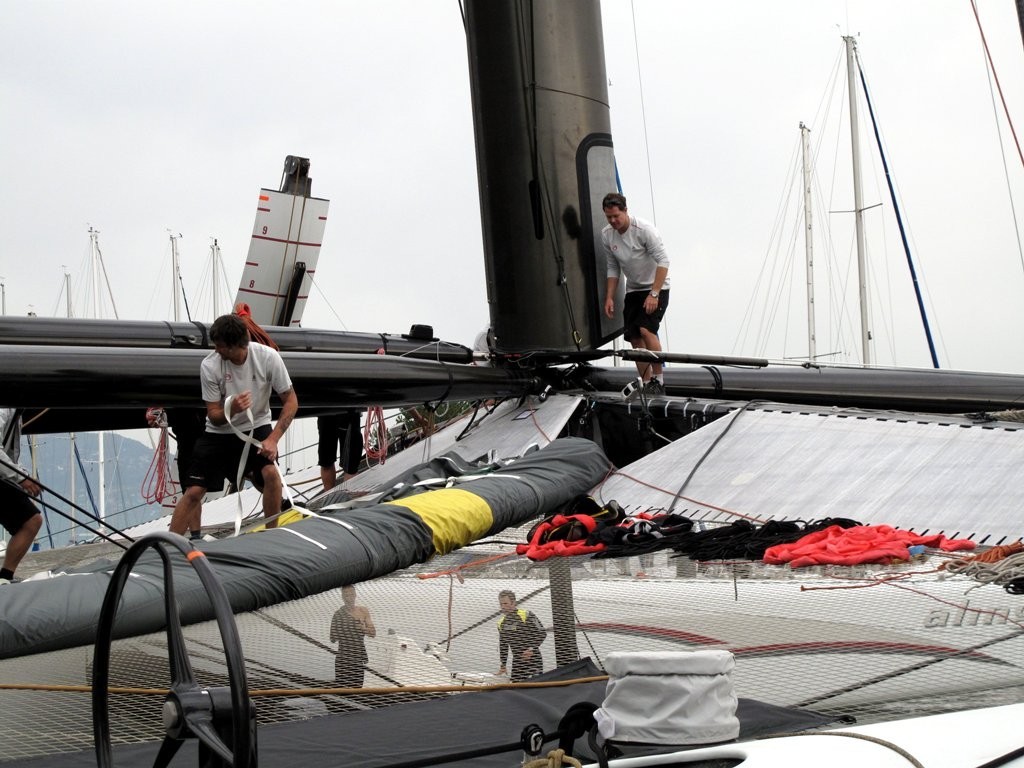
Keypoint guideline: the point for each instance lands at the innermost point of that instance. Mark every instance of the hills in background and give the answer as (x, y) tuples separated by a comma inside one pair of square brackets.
[(127, 463), (128, 468)]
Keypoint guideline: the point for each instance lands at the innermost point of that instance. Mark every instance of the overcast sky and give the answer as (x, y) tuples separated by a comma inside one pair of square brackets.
[(137, 118)]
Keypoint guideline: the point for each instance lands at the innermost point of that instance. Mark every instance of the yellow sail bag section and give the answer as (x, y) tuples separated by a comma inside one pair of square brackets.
[(455, 517)]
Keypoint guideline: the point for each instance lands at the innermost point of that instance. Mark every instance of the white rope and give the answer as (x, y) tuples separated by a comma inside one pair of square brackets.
[(302, 536), (448, 482), (326, 519), (999, 572), (249, 440)]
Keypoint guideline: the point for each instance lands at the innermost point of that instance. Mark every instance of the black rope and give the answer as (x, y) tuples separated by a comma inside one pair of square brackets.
[(686, 481), (472, 420), (717, 376), (90, 515), (448, 391)]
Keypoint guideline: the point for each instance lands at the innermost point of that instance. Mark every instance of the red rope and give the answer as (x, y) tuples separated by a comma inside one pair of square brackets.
[(158, 485), (376, 427), (995, 77), (256, 333)]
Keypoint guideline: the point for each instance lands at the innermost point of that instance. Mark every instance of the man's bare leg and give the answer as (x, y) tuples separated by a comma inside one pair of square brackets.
[(20, 542), (271, 494), (329, 477), (188, 512), (650, 341), (646, 369)]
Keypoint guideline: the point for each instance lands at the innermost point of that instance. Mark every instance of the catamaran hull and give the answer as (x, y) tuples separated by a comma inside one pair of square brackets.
[(978, 737)]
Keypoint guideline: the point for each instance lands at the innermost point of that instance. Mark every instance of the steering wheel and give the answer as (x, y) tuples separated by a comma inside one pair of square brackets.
[(222, 719)]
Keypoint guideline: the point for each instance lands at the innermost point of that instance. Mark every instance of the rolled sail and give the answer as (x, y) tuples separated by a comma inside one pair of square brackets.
[(305, 558)]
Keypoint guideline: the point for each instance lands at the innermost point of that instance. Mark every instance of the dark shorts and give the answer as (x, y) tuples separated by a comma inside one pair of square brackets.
[(349, 673), (16, 508), (188, 425), (216, 458), (525, 669), (634, 318), (340, 435)]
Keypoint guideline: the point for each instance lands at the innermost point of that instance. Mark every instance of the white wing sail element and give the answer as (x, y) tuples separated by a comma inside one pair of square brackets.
[(284, 249)]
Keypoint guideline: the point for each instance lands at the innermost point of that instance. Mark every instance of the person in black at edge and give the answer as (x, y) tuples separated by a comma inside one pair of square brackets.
[(187, 425), (351, 623), (520, 632), (339, 432), (18, 514)]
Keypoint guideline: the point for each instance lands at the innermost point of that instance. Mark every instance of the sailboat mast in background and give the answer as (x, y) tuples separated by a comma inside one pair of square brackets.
[(805, 146), (98, 276), (96, 271), (175, 276), (216, 267), (72, 467), (858, 200)]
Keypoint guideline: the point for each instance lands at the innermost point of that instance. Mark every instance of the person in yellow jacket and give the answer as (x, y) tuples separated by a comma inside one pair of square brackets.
[(521, 633)]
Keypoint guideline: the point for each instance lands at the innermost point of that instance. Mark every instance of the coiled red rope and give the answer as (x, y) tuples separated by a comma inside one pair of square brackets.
[(375, 435), (157, 485)]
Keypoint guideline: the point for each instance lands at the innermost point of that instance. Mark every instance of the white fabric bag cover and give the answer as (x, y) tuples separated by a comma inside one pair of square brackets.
[(669, 697)]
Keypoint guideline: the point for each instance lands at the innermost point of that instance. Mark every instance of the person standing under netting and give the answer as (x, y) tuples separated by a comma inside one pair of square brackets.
[(520, 632), (350, 625)]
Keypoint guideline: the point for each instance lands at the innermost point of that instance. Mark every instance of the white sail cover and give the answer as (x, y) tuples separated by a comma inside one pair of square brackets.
[(669, 697)]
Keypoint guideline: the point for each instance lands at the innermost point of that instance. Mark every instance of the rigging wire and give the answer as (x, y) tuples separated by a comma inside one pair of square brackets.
[(647, 145), (899, 219), (877, 275), (999, 87), (746, 323), (769, 281), (841, 314), (990, 71), (315, 284), (203, 288), (839, 307), (71, 505), (643, 115), (837, 313)]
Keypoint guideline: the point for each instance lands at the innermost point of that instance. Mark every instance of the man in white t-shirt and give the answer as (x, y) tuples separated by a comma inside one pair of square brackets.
[(237, 379), (633, 248)]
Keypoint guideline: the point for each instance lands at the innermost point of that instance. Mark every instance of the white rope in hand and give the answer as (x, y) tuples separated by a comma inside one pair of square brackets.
[(249, 441)]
